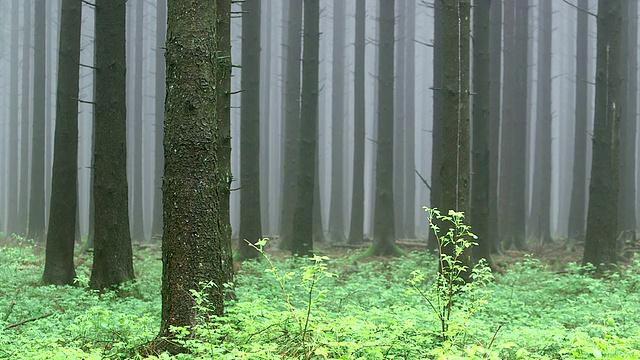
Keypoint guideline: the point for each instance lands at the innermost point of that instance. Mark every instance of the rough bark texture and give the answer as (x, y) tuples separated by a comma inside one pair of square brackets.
[(455, 170), (112, 255), (58, 268), (36, 199), (137, 217), (602, 215), (291, 123), (384, 234), (336, 206), (197, 176), (435, 193), (577, 212), (356, 231), (302, 241), (479, 217), (250, 219), (161, 35), (541, 201)]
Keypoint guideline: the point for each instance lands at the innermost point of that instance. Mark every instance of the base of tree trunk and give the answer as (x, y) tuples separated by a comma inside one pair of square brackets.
[(380, 249)]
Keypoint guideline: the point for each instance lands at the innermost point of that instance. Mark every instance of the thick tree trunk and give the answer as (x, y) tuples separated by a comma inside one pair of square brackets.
[(58, 269), (356, 231), (291, 123), (600, 245), (112, 254), (577, 212), (36, 198), (338, 116), (302, 243), (196, 181), (250, 224)]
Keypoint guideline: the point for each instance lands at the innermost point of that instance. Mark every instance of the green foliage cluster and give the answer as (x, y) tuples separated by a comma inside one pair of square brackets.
[(367, 311)]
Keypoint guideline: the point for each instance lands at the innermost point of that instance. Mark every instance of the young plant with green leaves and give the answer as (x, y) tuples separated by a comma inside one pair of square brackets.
[(449, 283)]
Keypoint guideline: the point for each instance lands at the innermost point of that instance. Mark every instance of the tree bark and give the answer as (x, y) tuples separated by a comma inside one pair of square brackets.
[(602, 214), (435, 193), (58, 268), (494, 126), (112, 254)]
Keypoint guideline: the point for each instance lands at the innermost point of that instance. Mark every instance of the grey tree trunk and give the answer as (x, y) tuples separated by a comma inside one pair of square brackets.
[(494, 126), (58, 268), (409, 142), (336, 208), (602, 214), (541, 202), (36, 198), (577, 212), (23, 196), (161, 34), (302, 243), (356, 231), (291, 123), (435, 193), (112, 254), (264, 99), (196, 228), (384, 234), (250, 219), (137, 225), (13, 156), (399, 121)]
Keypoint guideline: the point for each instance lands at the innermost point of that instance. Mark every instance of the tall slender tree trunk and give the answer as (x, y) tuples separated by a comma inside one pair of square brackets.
[(36, 198), (58, 268), (577, 212), (602, 215), (356, 231), (399, 120), (112, 254), (250, 177), (494, 126), (410, 207), (137, 226), (542, 154), (384, 234), (336, 208), (291, 123), (303, 217), (161, 35), (13, 156), (435, 193), (23, 196), (264, 112)]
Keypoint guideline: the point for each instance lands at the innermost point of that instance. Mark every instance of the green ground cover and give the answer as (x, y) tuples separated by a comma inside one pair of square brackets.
[(367, 311)]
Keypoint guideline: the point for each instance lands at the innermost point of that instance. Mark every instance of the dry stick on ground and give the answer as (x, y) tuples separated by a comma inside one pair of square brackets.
[(26, 321)]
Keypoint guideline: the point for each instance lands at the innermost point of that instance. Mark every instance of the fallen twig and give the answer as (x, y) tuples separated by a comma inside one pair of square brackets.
[(26, 321)]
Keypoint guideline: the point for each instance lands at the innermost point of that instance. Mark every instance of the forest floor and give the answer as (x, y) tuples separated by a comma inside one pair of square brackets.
[(545, 306)]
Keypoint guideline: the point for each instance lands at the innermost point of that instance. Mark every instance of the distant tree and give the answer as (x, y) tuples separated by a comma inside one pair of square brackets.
[(481, 152), (495, 50), (302, 243), (137, 217), (58, 268), (161, 35), (250, 221), (291, 123), (36, 197), (410, 205), (336, 208), (577, 211), (399, 119), (455, 171), (602, 215), (197, 169), (356, 230), (384, 233), (23, 196), (112, 254), (435, 193), (541, 187), (13, 156)]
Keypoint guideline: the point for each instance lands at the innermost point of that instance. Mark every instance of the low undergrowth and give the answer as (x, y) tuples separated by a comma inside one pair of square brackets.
[(367, 311)]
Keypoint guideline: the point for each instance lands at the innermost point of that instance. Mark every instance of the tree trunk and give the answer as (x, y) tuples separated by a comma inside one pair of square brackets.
[(602, 215), (577, 212), (455, 170), (23, 196), (58, 268), (356, 231), (435, 194), (384, 233), (36, 198), (250, 224), (13, 153), (494, 126), (302, 243), (336, 208), (410, 208), (291, 123), (399, 121), (161, 35), (112, 254), (196, 181), (137, 226), (542, 159)]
